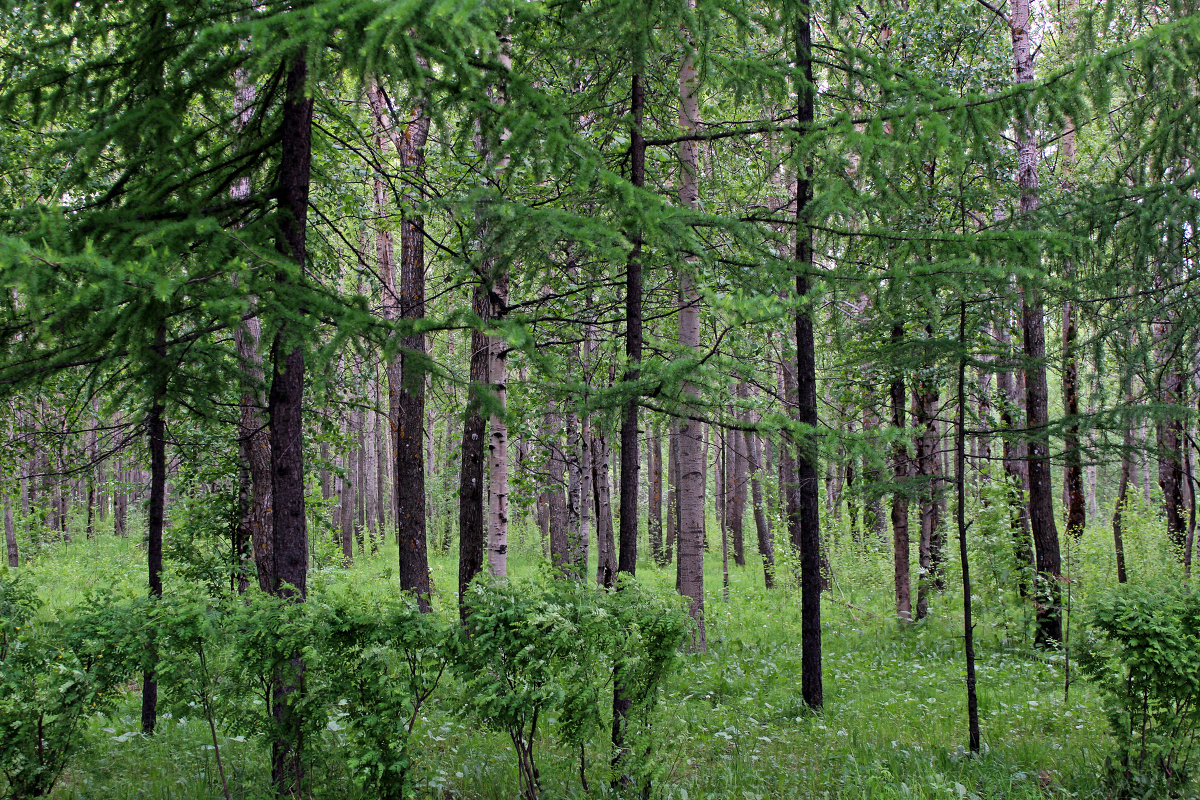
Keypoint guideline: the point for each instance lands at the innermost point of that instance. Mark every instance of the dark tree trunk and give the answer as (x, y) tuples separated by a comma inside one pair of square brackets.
[(808, 524), (285, 407), (470, 491), (655, 493), (1041, 494), (156, 434), (961, 515), (901, 471)]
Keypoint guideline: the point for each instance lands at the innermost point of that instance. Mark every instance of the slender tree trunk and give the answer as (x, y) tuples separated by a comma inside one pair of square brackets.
[(1072, 453), (901, 471), (961, 514), (690, 495), (766, 545), (606, 562), (655, 467), (470, 508), (556, 470), (285, 404), (1127, 467), (10, 535), (735, 504), (671, 544), (808, 525), (156, 434), (406, 377), (254, 441), (1041, 495)]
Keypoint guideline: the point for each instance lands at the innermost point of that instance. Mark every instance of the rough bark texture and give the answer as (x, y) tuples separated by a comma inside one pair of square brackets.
[(690, 496), (556, 498), (405, 300), (766, 545), (654, 465), (630, 458), (808, 528), (156, 434), (1041, 494), (606, 561), (901, 470), (925, 404), (285, 403), (470, 486)]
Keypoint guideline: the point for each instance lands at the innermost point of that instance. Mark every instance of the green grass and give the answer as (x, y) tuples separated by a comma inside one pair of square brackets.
[(731, 724)]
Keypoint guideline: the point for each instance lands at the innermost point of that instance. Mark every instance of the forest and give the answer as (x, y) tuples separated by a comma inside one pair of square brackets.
[(599, 398)]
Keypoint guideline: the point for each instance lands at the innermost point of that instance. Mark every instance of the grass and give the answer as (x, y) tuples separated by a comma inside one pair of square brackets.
[(731, 723)]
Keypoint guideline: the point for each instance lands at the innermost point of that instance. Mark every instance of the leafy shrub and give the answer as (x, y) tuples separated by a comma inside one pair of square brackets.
[(53, 675), (1143, 651), (529, 650), (378, 663)]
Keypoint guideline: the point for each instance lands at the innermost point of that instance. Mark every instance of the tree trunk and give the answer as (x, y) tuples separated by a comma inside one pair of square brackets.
[(1041, 495), (156, 434), (285, 405), (671, 544), (606, 562), (470, 491), (901, 470), (556, 470), (690, 495), (654, 464), (961, 514), (766, 546), (10, 535), (406, 376), (808, 524)]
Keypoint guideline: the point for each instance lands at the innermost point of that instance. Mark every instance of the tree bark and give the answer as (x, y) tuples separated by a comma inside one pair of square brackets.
[(690, 495), (901, 470), (655, 523), (156, 435), (1041, 495), (766, 545), (285, 405), (809, 544)]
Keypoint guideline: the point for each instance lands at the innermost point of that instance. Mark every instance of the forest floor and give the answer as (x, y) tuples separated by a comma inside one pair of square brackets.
[(731, 724)]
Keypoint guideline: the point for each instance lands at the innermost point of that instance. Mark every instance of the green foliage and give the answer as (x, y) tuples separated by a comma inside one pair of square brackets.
[(1143, 651), (53, 675), (549, 648), (378, 663)]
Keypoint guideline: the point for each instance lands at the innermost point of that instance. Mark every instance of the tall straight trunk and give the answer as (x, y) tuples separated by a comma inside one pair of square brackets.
[(120, 500), (576, 544), (722, 491), (872, 476), (254, 441), (690, 495), (586, 494), (405, 300), (1127, 467), (630, 458), (1041, 494), (808, 525), (925, 401), (349, 484), (766, 545), (498, 453), (556, 470), (156, 436), (606, 561), (1014, 468), (735, 504), (960, 468), (654, 464), (10, 535), (470, 490), (671, 544), (284, 410), (901, 470), (1072, 454), (1169, 437)]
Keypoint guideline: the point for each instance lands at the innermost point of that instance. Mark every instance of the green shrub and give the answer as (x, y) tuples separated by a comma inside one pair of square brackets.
[(53, 675), (1142, 649), (534, 649)]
